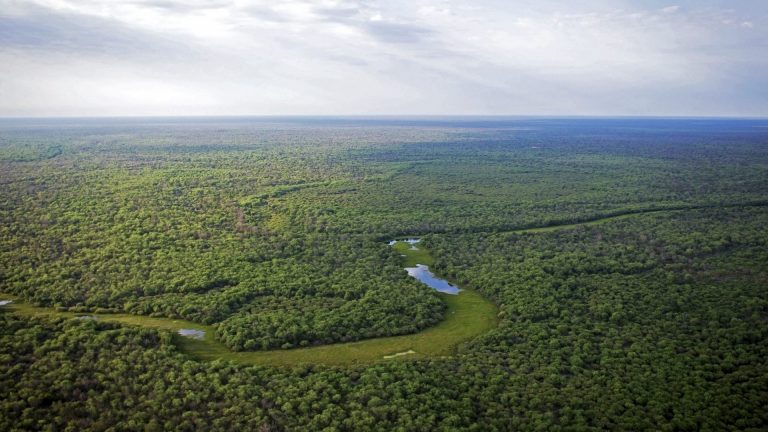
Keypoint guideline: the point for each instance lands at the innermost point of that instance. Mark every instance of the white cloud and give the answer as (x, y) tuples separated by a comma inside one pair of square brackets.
[(368, 57)]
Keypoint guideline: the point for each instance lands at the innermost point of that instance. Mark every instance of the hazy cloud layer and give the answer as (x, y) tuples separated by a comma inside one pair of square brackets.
[(168, 57)]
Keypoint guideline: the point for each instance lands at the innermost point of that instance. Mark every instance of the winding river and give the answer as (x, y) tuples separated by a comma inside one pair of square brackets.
[(468, 315)]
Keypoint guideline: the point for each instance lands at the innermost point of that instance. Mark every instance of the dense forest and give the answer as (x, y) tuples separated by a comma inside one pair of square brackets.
[(628, 259)]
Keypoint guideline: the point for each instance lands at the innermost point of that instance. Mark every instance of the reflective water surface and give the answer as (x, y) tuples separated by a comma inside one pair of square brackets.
[(422, 273)]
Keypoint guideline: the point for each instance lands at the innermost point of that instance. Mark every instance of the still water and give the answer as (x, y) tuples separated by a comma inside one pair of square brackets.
[(422, 274)]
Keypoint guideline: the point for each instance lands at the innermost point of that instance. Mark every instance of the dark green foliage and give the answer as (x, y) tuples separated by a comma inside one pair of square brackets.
[(275, 233), (667, 314), (82, 375), (379, 312)]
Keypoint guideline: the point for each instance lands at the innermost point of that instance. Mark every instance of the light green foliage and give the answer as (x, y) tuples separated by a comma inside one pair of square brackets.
[(650, 316), (414, 254)]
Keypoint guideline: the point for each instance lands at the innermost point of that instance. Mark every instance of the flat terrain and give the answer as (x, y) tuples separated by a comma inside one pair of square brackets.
[(615, 274), (467, 316)]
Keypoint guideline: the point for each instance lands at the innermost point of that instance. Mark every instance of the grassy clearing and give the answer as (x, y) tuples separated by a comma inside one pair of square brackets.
[(468, 315), (573, 225), (414, 254), (627, 215), (137, 320)]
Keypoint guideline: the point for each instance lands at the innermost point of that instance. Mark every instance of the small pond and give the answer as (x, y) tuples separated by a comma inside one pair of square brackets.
[(422, 274), (192, 333)]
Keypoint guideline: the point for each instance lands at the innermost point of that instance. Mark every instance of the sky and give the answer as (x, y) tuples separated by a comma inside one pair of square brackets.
[(412, 57)]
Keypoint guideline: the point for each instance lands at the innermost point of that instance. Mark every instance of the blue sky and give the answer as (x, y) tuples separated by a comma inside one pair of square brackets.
[(229, 57)]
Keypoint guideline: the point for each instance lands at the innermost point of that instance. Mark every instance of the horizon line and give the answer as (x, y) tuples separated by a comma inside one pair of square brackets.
[(389, 116)]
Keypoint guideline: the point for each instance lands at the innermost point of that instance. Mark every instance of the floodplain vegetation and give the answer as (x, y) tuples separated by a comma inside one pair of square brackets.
[(627, 260)]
